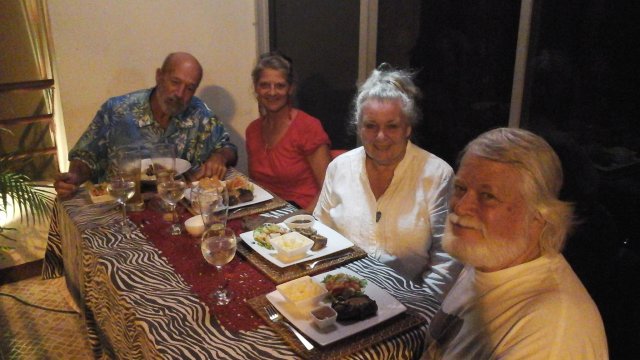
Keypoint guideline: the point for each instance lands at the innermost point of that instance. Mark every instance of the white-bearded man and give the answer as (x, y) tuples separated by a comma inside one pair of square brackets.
[(517, 297)]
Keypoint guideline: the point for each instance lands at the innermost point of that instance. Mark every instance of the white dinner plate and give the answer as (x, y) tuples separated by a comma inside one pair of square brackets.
[(335, 243), (388, 307), (182, 166), (259, 195)]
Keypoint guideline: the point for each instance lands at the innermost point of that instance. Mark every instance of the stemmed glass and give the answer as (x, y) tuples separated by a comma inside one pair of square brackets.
[(163, 160), (172, 191), (128, 162), (218, 248), (213, 204), (122, 187)]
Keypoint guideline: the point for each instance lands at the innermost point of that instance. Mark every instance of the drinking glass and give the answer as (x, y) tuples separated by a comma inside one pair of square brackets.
[(213, 204), (218, 248), (122, 187), (172, 191), (163, 160), (128, 162)]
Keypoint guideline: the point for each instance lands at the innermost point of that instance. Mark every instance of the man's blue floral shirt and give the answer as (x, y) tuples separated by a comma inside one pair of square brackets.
[(127, 120)]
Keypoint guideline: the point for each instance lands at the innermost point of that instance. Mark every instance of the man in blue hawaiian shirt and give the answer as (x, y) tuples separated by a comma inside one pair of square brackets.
[(169, 112)]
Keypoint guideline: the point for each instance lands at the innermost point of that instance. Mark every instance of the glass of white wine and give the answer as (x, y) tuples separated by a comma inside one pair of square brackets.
[(122, 187), (218, 248), (172, 191), (163, 160), (213, 204), (128, 162)]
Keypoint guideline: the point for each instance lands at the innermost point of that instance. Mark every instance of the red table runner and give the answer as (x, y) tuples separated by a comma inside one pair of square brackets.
[(183, 253)]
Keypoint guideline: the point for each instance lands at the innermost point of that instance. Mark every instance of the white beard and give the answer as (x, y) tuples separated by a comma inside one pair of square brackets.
[(490, 253)]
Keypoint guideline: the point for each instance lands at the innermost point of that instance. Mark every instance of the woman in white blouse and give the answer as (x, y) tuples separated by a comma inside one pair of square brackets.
[(389, 196)]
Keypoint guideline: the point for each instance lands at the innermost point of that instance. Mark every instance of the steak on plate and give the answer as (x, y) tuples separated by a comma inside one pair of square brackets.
[(357, 307)]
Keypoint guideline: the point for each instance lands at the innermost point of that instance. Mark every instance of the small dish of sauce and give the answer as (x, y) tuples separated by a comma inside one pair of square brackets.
[(324, 316)]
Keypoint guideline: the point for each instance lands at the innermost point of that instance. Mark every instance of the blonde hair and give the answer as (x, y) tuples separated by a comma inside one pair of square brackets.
[(541, 171)]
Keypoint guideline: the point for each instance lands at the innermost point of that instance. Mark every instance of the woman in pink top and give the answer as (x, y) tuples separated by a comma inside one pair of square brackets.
[(288, 149)]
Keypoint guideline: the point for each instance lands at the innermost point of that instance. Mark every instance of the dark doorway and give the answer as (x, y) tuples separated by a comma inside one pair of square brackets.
[(464, 54), (322, 39), (582, 83), (580, 87)]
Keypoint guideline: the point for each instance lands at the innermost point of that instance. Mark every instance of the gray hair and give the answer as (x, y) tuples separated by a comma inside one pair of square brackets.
[(276, 61), (386, 83), (541, 171)]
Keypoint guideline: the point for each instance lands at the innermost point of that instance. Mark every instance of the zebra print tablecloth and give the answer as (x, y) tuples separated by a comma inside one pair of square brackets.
[(136, 306)]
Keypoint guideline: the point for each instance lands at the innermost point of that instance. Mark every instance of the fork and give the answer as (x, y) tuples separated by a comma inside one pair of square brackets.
[(237, 210), (312, 265), (276, 317)]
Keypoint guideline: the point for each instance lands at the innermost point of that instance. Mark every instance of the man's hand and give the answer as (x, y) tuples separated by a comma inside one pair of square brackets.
[(215, 167), (216, 164), (66, 184)]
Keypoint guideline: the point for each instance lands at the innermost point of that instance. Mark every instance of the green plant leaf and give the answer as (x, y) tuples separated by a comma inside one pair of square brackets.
[(32, 203)]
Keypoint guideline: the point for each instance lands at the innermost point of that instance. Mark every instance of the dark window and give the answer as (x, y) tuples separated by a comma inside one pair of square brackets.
[(322, 39), (464, 52), (582, 85)]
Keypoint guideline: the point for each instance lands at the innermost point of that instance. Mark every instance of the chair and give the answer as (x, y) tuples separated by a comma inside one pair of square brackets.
[(336, 152)]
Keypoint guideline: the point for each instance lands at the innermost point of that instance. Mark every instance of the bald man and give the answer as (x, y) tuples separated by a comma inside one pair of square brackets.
[(168, 112)]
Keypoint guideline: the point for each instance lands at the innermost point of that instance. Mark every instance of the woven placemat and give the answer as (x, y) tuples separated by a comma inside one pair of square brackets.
[(392, 327), (280, 275), (272, 204), (275, 203)]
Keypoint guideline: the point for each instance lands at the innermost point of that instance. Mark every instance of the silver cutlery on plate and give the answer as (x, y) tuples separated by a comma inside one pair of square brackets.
[(311, 265), (276, 317)]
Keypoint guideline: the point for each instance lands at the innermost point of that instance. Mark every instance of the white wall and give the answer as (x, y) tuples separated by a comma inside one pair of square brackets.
[(111, 47)]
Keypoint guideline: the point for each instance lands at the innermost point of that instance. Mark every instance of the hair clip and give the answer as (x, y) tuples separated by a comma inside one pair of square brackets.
[(384, 67), (396, 84)]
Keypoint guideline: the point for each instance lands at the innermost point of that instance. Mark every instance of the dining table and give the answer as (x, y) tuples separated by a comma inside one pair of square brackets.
[(144, 295)]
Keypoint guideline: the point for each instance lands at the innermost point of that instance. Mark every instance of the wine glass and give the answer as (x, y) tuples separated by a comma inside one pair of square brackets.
[(163, 160), (172, 191), (122, 187), (218, 248), (213, 204), (128, 162)]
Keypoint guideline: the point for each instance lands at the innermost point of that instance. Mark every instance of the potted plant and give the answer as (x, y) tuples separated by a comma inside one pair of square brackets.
[(31, 202)]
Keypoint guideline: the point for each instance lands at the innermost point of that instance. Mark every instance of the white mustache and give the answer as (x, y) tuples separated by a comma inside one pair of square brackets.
[(465, 221)]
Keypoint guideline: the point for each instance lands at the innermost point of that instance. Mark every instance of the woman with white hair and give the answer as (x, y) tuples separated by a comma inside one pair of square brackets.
[(389, 196)]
